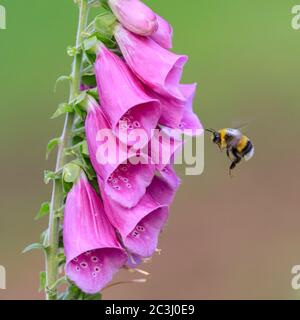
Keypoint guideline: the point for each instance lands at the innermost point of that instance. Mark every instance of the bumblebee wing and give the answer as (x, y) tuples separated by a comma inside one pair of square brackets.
[(232, 136)]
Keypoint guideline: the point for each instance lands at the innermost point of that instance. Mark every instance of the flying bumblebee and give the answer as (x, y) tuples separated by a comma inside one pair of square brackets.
[(236, 144)]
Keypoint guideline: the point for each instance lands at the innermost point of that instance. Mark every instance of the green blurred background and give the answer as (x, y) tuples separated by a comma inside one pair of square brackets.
[(227, 238)]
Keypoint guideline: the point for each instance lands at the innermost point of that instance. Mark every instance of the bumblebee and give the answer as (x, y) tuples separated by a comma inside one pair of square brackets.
[(236, 144)]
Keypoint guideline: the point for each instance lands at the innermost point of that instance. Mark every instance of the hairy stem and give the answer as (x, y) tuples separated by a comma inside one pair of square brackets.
[(57, 192)]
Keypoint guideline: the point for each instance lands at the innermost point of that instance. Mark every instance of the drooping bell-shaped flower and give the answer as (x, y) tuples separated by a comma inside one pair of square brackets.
[(93, 253), (164, 33), (124, 181), (135, 16), (190, 121), (123, 98), (155, 66), (140, 226)]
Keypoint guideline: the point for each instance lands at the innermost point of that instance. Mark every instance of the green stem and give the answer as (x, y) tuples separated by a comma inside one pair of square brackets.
[(57, 198)]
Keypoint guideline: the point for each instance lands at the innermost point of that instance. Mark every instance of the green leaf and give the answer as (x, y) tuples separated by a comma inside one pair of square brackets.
[(61, 79), (42, 281), (44, 210), (50, 175), (63, 108), (34, 246), (71, 172), (51, 145)]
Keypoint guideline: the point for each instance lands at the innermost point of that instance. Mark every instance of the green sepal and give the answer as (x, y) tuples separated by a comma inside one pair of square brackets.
[(104, 23), (71, 172), (63, 108), (94, 93), (97, 296), (90, 45), (44, 210), (74, 293), (51, 145), (84, 148)]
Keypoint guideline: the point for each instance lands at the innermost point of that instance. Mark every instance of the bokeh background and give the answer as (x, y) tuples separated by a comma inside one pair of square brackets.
[(227, 238)]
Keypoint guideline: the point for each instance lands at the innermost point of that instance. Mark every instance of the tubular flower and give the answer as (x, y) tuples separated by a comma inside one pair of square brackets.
[(155, 66), (93, 254), (124, 181), (140, 226), (164, 33), (123, 98), (135, 16)]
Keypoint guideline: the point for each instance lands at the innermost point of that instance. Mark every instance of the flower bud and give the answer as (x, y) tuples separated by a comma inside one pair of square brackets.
[(135, 16)]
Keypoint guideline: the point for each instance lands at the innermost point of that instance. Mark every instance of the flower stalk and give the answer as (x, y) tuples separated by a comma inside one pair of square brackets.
[(57, 199)]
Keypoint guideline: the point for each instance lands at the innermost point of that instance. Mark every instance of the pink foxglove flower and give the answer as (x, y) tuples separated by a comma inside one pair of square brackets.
[(157, 67), (140, 226), (124, 182), (93, 253), (123, 98), (135, 16), (164, 34)]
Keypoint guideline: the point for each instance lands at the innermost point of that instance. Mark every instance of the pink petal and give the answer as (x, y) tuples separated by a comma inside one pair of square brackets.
[(169, 176), (189, 119), (164, 34)]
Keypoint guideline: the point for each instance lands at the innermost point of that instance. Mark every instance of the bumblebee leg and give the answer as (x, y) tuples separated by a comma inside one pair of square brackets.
[(228, 150), (237, 159)]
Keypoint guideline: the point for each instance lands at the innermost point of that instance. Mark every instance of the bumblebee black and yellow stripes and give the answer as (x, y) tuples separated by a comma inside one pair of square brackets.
[(236, 144)]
